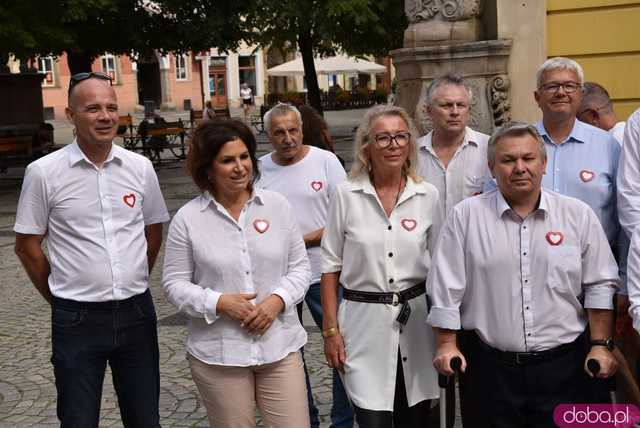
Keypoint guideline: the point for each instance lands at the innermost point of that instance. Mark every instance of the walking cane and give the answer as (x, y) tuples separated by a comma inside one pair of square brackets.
[(594, 367), (443, 382)]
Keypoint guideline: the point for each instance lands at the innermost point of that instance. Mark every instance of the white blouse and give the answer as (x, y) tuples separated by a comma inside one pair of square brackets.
[(377, 253), (209, 254)]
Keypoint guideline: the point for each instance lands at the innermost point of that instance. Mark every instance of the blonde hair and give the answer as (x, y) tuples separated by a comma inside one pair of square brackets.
[(361, 162)]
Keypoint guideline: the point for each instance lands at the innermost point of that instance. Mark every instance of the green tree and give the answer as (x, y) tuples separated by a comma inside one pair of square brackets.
[(85, 29), (323, 27)]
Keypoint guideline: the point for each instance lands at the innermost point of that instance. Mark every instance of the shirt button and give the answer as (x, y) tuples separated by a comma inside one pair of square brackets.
[(247, 272), (524, 254), (528, 334), (526, 280), (527, 308), (404, 358), (389, 228), (390, 254), (390, 280)]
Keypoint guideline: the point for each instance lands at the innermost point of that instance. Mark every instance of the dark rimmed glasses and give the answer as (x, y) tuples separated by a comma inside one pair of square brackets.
[(79, 77), (567, 87), (384, 140)]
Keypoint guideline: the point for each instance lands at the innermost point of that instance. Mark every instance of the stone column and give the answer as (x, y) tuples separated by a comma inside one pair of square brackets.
[(446, 36), (165, 84)]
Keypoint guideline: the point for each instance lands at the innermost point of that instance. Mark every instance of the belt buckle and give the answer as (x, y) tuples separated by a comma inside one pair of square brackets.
[(524, 357), (396, 299)]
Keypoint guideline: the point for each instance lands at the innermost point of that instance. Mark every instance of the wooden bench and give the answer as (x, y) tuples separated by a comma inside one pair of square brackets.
[(126, 131), (195, 117), (154, 138)]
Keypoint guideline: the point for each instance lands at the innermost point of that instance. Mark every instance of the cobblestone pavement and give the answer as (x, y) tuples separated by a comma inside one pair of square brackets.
[(27, 389)]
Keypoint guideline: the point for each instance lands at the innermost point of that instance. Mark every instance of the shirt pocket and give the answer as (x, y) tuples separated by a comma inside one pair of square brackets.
[(473, 185), (564, 273)]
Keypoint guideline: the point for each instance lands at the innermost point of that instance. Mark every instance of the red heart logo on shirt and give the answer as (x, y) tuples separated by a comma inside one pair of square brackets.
[(129, 199), (555, 238), (316, 185), (408, 223), (587, 175), (261, 225)]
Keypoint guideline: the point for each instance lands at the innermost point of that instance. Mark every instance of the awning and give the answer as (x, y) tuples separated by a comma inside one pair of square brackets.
[(330, 65)]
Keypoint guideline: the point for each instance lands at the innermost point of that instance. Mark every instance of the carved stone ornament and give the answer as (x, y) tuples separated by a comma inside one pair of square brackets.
[(445, 10), (498, 96)]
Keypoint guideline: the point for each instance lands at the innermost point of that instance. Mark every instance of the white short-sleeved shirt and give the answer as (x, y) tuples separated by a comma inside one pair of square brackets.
[(519, 283), (377, 253), (209, 253), (93, 219), (465, 174), (308, 185)]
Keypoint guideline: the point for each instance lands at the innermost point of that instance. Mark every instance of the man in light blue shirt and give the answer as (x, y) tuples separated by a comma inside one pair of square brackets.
[(582, 159)]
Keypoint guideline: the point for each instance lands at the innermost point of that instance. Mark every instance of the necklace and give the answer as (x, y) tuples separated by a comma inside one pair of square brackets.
[(399, 191)]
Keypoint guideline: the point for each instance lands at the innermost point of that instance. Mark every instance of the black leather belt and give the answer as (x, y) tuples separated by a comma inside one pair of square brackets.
[(526, 358), (389, 298)]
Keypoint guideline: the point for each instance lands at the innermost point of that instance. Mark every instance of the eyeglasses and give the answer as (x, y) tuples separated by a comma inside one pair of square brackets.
[(568, 87), (79, 77), (384, 140)]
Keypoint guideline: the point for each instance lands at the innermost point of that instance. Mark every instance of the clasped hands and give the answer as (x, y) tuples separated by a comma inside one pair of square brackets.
[(255, 319)]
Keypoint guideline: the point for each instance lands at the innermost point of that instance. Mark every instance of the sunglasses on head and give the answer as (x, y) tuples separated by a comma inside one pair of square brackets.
[(79, 77)]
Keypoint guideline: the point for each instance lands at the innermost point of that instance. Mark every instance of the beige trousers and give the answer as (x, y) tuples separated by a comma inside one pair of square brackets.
[(230, 393)]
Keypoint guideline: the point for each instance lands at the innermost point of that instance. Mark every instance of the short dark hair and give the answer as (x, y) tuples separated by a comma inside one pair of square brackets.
[(315, 131), (207, 141)]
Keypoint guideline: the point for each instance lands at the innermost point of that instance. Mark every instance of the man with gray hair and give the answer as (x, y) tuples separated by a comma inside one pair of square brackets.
[(307, 176), (511, 268), (597, 109), (452, 156)]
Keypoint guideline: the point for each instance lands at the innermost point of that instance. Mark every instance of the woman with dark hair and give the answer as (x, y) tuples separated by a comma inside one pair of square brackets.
[(236, 264), (315, 130)]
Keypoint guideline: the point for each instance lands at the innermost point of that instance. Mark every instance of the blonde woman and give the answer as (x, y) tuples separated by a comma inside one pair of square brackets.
[(376, 245)]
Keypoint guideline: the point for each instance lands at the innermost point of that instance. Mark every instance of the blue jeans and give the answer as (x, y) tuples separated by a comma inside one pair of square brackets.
[(87, 335), (341, 412)]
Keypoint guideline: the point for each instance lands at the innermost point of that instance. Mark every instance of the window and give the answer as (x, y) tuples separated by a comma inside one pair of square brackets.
[(45, 66), (109, 66), (181, 67), (247, 71)]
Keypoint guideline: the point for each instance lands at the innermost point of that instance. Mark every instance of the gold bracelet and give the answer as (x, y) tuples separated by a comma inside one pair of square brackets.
[(330, 332)]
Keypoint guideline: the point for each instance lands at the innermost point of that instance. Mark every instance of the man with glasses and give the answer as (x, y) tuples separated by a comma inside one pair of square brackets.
[(452, 157), (307, 176), (597, 109), (101, 211)]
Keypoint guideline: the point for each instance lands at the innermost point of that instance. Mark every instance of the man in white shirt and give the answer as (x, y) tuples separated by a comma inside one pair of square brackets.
[(597, 109), (452, 157), (629, 176), (307, 176), (522, 270), (101, 210)]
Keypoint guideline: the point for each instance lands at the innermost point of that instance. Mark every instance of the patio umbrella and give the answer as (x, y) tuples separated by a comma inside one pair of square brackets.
[(330, 65)]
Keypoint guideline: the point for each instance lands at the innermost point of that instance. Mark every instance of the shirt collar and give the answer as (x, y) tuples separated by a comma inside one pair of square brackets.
[(502, 206), (578, 134), (76, 154), (207, 199), (469, 138), (364, 184)]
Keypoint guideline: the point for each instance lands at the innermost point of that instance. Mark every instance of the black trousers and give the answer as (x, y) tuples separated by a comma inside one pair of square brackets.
[(402, 416), (504, 395)]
